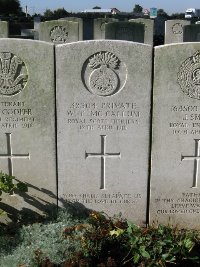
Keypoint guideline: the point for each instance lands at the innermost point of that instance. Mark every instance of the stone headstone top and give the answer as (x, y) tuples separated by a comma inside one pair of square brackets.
[(27, 121), (80, 25), (174, 30), (175, 184), (100, 110), (3, 29), (191, 33), (149, 29), (59, 31), (99, 27), (128, 31)]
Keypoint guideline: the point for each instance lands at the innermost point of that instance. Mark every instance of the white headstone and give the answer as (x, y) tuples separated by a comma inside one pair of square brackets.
[(174, 30), (80, 25), (175, 184), (59, 31), (103, 116), (27, 121)]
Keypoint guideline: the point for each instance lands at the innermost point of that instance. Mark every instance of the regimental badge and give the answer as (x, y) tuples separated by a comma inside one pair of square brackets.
[(189, 76), (59, 34), (101, 73), (177, 28), (13, 74)]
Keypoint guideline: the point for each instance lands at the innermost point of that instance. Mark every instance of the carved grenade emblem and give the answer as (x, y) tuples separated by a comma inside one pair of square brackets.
[(103, 80), (59, 34), (13, 74), (189, 76)]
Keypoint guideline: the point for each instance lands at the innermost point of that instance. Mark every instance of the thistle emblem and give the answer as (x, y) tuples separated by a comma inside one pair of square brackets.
[(104, 80), (189, 76), (59, 34), (13, 74)]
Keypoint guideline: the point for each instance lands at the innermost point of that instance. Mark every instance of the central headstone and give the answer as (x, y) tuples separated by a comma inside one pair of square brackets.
[(175, 177), (27, 122), (128, 31), (148, 29), (99, 27), (103, 104)]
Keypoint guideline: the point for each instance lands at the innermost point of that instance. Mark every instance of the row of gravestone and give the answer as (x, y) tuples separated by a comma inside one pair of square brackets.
[(101, 111), (137, 30)]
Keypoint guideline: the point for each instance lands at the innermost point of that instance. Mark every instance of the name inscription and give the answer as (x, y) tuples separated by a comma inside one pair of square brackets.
[(107, 116), (187, 120), (16, 114)]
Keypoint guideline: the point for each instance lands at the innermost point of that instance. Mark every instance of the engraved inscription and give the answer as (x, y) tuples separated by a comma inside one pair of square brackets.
[(13, 74), (186, 203), (189, 76), (105, 116), (103, 74), (10, 156), (102, 155), (196, 159), (114, 198), (59, 34), (177, 28), (186, 120), (16, 114)]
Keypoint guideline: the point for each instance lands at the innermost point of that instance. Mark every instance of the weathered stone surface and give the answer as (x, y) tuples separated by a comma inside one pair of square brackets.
[(27, 122), (80, 25), (99, 27), (175, 192), (148, 30), (191, 33), (128, 31), (3, 29), (174, 30), (59, 31), (103, 113)]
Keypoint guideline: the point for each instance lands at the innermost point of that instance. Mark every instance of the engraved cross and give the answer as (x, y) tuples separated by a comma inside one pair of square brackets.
[(196, 159), (10, 156), (103, 155)]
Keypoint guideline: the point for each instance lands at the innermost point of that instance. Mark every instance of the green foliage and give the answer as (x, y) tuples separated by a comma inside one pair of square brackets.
[(98, 240), (8, 7), (58, 13), (162, 13), (48, 13), (177, 16), (137, 8), (9, 185)]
